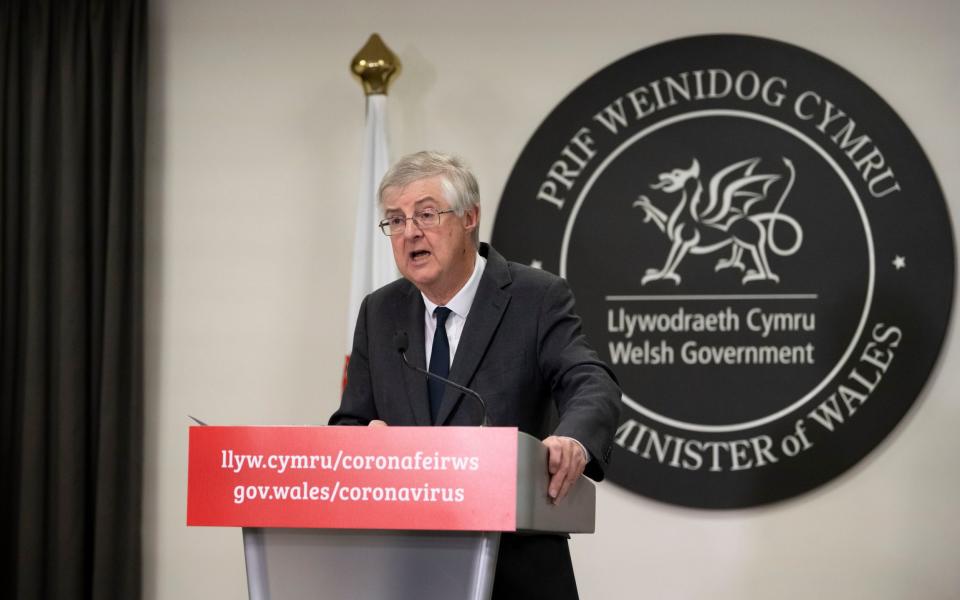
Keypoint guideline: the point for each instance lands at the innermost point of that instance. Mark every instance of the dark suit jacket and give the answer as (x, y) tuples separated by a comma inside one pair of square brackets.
[(521, 349)]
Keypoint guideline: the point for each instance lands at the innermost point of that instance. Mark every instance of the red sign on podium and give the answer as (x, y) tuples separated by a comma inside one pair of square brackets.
[(427, 478)]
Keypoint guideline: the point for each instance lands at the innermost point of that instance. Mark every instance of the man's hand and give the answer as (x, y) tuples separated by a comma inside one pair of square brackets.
[(377, 423), (565, 462)]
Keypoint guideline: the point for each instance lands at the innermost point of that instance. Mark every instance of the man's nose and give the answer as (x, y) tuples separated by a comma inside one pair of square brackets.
[(411, 229)]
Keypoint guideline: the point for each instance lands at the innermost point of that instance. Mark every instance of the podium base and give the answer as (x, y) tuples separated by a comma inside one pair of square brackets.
[(301, 564)]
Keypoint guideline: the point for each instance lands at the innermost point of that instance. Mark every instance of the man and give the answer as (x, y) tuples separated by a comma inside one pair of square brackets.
[(505, 330)]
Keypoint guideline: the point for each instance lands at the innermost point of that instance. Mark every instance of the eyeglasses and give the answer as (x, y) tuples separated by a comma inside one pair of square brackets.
[(424, 219)]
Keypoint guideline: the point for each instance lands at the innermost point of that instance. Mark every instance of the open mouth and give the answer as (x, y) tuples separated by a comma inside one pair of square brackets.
[(419, 255)]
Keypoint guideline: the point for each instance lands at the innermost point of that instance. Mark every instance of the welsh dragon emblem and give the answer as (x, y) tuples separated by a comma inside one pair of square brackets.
[(733, 211)]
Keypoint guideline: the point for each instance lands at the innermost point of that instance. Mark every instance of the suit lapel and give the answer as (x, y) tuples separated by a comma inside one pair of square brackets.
[(411, 315), (486, 312)]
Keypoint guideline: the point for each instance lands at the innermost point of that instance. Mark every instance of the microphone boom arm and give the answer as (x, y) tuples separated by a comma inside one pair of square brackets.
[(400, 340)]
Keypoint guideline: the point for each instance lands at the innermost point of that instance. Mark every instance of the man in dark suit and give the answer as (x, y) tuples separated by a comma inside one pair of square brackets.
[(505, 330)]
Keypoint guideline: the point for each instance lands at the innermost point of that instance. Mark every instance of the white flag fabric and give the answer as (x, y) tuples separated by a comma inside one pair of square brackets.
[(373, 264)]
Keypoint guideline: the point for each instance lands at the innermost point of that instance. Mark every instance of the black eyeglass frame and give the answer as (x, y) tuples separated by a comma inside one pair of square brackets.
[(386, 224)]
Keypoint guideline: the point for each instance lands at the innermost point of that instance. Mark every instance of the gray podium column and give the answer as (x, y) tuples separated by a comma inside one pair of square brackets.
[(302, 564)]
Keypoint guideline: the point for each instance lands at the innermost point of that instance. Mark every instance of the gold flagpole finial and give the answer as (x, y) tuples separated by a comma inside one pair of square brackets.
[(375, 65)]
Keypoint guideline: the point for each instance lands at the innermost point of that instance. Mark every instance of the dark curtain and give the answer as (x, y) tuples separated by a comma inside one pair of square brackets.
[(72, 116)]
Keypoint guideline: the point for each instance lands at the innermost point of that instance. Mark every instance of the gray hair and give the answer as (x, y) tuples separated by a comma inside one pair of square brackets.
[(459, 185)]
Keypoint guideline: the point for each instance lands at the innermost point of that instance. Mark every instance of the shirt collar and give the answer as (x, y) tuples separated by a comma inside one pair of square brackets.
[(462, 301)]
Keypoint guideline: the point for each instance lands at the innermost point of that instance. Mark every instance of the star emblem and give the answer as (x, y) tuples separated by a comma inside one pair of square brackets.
[(899, 262)]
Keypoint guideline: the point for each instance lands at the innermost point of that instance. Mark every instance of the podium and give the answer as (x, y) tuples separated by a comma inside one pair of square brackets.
[(424, 552)]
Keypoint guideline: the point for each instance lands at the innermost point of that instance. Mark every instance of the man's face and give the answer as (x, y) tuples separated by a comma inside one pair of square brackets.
[(437, 260)]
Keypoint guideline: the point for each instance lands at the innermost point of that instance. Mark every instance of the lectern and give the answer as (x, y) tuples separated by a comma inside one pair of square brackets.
[(379, 512)]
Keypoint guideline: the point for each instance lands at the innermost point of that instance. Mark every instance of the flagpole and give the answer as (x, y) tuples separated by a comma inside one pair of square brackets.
[(376, 66)]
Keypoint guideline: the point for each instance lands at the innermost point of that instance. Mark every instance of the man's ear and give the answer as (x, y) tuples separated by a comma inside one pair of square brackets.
[(471, 218)]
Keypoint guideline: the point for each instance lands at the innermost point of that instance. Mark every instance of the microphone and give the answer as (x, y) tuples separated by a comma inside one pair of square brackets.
[(401, 341)]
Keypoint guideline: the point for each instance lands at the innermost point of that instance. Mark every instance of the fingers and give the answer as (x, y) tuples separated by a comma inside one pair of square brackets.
[(377, 423), (555, 457), (565, 463)]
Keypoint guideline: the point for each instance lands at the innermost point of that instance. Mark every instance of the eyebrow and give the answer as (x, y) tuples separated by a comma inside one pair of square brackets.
[(416, 205)]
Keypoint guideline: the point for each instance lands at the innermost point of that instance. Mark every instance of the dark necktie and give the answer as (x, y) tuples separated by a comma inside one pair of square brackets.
[(439, 362)]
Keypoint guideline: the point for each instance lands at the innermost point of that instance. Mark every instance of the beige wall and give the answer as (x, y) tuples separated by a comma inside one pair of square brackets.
[(253, 173)]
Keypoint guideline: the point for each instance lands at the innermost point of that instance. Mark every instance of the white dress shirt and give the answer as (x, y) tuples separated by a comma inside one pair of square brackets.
[(459, 307)]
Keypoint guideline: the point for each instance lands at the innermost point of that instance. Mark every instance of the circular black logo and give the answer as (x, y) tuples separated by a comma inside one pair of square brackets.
[(759, 249)]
